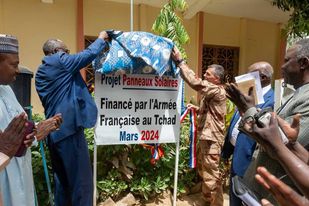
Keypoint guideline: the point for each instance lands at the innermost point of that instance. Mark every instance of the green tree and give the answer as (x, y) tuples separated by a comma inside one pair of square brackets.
[(169, 24), (298, 24)]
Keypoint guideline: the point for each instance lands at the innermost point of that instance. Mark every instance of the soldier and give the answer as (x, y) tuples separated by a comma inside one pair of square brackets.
[(211, 119)]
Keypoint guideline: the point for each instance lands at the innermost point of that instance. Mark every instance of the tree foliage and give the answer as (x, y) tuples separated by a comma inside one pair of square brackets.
[(169, 24), (298, 24)]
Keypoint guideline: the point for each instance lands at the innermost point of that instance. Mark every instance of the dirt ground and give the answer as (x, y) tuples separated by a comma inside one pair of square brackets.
[(164, 199), (194, 199)]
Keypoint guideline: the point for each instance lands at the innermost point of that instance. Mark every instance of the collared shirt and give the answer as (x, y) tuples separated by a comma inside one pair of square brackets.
[(235, 130), (212, 111), (266, 89), (16, 180), (288, 92)]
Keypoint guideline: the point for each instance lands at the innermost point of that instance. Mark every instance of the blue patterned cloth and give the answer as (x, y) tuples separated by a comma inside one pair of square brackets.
[(137, 53)]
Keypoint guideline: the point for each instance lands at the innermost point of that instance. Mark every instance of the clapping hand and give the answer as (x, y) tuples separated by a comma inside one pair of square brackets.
[(11, 138), (47, 126)]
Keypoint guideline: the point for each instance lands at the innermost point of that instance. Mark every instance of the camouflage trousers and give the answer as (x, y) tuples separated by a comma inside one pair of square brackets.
[(208, 161)]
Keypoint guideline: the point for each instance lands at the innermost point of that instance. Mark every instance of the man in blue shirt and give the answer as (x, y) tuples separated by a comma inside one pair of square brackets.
[(62, 90), (237, 143)]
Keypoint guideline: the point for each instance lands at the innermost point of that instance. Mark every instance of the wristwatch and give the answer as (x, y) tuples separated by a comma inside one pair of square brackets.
[(179, 61), (248, 116)]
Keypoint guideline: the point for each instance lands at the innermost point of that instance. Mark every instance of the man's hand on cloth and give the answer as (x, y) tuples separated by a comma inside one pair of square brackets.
[(176, 55), (11, 138), (103, 35), (285, 195), (47, 126), (241, 100)]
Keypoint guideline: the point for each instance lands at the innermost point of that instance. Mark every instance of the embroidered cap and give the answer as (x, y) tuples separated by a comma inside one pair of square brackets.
[(8, 44)]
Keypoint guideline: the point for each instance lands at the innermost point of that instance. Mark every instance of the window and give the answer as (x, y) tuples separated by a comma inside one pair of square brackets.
[(89, 69), (227, 57)]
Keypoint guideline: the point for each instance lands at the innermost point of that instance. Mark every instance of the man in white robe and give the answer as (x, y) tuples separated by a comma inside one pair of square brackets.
[(16, 180)]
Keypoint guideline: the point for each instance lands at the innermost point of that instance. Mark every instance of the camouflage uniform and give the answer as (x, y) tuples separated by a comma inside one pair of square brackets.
[(211, 125)]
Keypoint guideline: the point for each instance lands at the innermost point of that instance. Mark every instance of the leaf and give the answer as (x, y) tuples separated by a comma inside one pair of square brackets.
[(169, 24), (298, 24)]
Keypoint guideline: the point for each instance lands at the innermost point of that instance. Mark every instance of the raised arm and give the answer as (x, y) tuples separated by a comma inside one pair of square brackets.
[(186, 73), (241, 100), (75, 62)]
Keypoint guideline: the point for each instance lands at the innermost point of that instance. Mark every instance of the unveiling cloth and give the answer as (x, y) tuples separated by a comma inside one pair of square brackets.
[(136, 53), (16, 180)]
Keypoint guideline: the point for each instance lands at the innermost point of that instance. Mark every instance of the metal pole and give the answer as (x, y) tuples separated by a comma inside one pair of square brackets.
[(50, 193), (131, 19), (36, 202), (95, 173), (176, 173)]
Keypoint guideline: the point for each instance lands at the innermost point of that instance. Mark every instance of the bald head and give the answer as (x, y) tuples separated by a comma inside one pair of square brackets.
[(52, 46), (266, 71)]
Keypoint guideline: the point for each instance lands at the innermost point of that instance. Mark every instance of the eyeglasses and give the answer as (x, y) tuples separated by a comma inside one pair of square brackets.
[(262, 76), (66, 51), (63, 49)]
